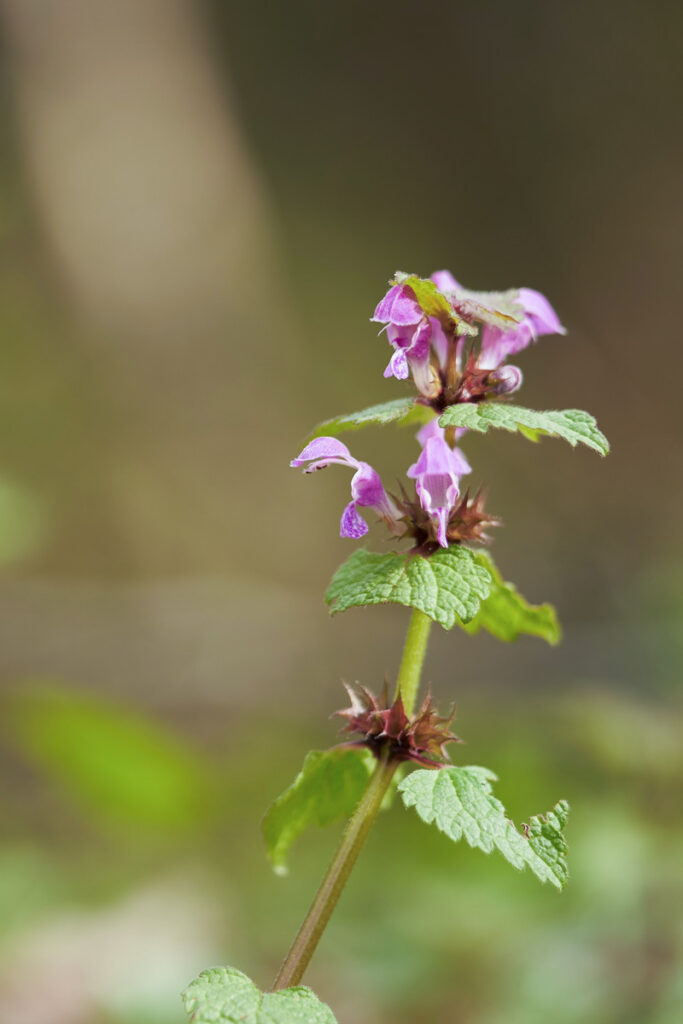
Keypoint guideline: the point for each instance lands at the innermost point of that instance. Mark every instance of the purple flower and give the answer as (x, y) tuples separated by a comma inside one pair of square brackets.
[(437, 475), (497, 343), (366, 487), (445, 282), (412, 335), (538, 318)]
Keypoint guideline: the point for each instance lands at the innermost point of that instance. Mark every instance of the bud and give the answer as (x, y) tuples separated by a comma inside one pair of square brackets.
[(506, 379)]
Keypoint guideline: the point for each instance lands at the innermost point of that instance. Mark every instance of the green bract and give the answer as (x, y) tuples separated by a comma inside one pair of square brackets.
[(459, 801), (449, 586), (328, 787), (401, 411), (573, 425), (223, 995)]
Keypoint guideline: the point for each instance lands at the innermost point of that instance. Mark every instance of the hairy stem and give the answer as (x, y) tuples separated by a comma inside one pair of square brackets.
[(409, 674), (360, 823), (325, 901)]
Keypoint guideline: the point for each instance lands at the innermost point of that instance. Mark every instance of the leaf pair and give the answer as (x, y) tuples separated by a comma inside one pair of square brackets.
[(573, 425), (458, 800)]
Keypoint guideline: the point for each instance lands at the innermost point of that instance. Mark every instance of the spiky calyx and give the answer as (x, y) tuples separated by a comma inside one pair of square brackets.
[(421, 738), (468, 521)]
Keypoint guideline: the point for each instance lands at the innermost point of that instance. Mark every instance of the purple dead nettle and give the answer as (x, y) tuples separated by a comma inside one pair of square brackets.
[(421, 346), (412, 335), (537, 318), (436, 474), (367, 490)]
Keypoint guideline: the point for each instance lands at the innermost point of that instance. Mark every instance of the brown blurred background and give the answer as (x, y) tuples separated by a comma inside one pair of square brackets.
[(200, 205)]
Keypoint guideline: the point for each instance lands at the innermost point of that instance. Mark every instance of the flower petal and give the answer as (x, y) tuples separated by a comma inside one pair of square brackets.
[(398, 365), (445, 282), (352, 523), (541, 315), (367, 488), (324, 449), (399, 306)]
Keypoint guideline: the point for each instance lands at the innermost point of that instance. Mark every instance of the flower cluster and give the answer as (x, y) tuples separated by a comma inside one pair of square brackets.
[(434, 348), (439, 510), (432, 327)]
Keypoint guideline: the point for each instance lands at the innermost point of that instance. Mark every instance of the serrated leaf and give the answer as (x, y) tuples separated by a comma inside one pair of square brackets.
[(460, 802), (223, 995), (447, 586), (573, 425), (401, 411), (506, 614), (328, 787)]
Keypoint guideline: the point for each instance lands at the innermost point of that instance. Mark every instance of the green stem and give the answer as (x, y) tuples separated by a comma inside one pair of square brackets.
[(326, 898), (360, 823), (409, 674)]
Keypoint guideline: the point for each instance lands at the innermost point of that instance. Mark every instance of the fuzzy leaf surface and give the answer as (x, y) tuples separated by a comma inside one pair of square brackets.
[(464, 308), (573, 425), (328, 787), (223, 995), (506, 614), (460, 802), (401, 411), (448, 585)]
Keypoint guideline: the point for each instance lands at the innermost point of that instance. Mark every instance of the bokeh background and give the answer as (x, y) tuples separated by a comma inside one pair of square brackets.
[(200, 205)]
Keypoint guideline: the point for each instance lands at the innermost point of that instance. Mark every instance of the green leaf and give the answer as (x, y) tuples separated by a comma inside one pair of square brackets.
[(573, 425), (123, 767), (223, 995), (460, 802), (402, 411), (506, 614), (328, 787), (448, 585)]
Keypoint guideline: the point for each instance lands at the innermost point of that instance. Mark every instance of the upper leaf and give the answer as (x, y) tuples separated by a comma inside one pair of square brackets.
[(465, 308), (328, 787), (402, 411), (430, 299), (448, 585), (573, 425), (460, 802), (506, 614), (223, 995)]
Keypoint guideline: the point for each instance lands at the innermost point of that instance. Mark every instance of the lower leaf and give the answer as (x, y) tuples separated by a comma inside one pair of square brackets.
[(460, 802), (223, 995), (328, 787), (507, 615)]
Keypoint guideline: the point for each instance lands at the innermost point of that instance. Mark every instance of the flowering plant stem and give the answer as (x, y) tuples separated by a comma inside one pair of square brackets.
[(414, 651), (361, 821)]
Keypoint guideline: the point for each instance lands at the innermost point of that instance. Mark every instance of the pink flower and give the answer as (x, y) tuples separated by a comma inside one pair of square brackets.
[(367, 490)]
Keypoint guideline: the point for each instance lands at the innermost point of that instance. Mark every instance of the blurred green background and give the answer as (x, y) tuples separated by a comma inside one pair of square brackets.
[(200, 204)]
